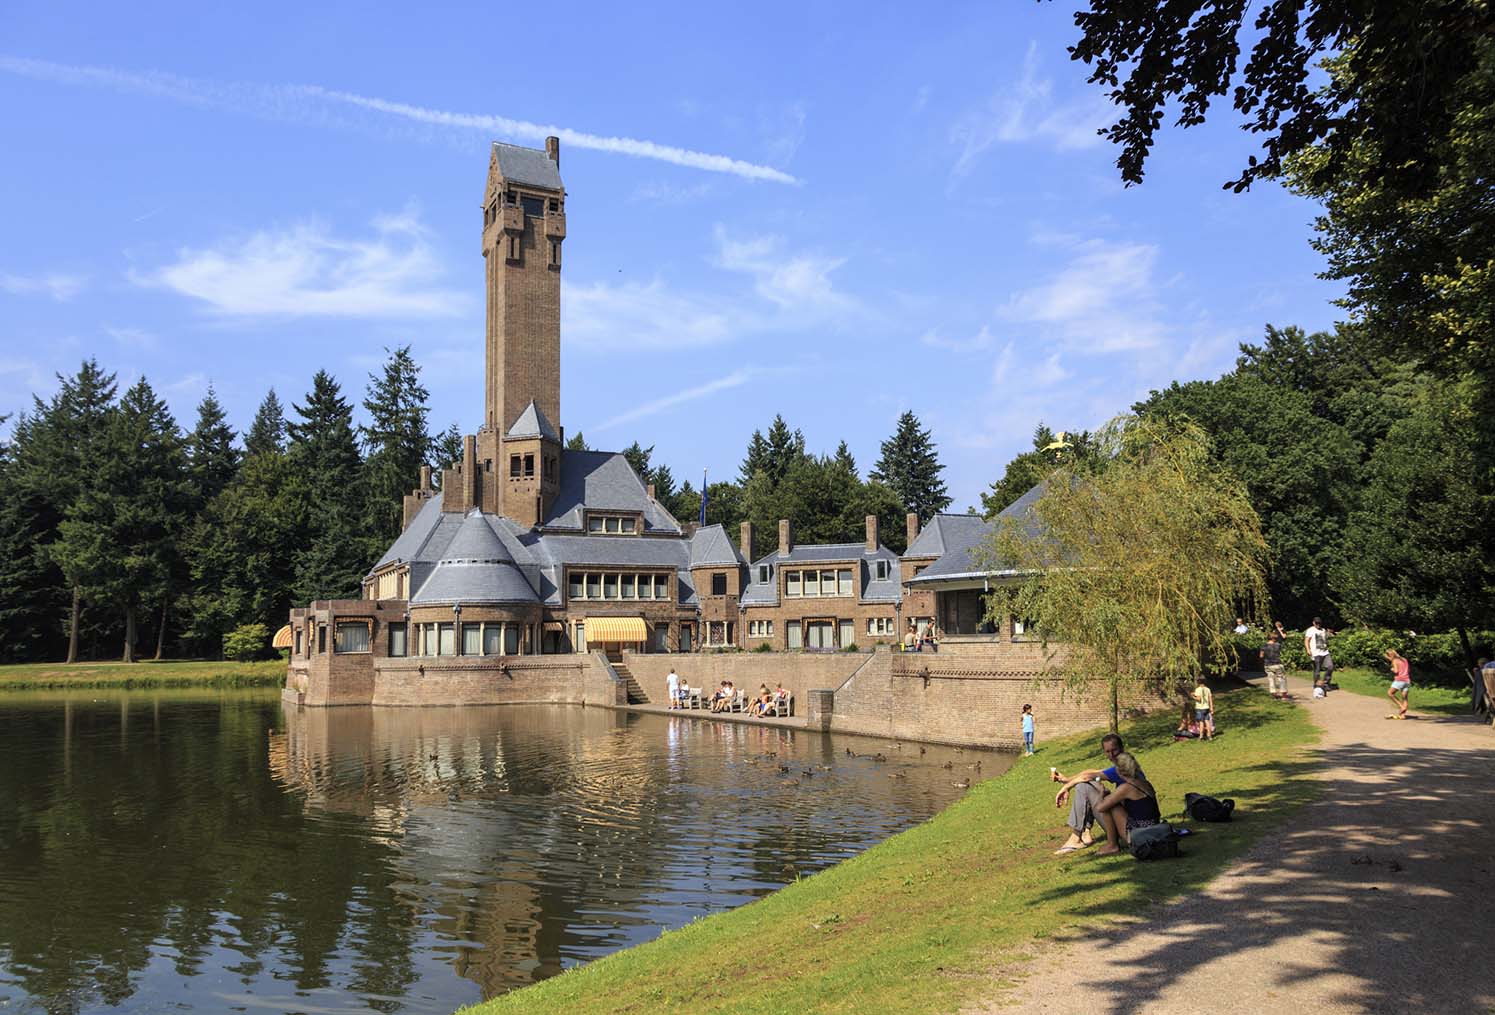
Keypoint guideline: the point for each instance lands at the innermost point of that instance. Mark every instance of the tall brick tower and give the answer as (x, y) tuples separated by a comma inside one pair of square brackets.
[(516, 471)]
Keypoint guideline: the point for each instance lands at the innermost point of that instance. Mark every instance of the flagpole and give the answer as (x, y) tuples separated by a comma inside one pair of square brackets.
[(702, 520)]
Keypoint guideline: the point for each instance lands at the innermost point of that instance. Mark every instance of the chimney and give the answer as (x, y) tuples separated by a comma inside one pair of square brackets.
[(913, 527), (872, 541), (786, 537), (553, 150), (471, 492), (747, 540), (651, 491), (425, 478)]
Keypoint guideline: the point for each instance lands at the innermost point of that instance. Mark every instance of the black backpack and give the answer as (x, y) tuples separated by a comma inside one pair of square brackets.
[(1207, 808), (1155, 842)]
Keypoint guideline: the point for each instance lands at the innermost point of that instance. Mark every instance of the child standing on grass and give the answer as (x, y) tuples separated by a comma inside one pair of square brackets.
[(1401, 682), (1204, 709), (1028, 730)]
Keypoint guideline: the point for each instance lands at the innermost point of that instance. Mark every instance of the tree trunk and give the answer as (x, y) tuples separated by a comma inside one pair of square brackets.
[(1471, 666), (129, 634), (72, 631), (161, 634), (1115, 704)]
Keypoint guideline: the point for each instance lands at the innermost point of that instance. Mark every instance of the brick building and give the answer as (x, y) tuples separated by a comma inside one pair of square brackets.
[(526, 548)]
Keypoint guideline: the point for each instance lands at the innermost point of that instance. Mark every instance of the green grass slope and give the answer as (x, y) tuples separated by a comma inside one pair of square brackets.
[(192, 673)]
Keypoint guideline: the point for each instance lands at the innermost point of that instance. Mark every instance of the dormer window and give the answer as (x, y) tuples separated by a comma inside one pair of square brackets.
[(881, 570), (765, 573), (612, 525)]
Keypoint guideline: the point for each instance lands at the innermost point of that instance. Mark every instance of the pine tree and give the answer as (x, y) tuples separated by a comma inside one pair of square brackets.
[(638, 456), (211, 455), (268, 431), (664, 487), (327, 473), (784, 449), (911, 467), (396, 442), (756, 458), (446, 447), (119, 539), (577, 443)]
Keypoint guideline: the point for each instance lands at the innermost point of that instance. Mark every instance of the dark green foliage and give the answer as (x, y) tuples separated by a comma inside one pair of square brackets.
[(1030, 468), (638, 456), (396, 443), (268, 431), (246, 642), (577, 442), (755, 459), (212, 458), (910, 465), (446, 448), (327, 476), (782, 450)]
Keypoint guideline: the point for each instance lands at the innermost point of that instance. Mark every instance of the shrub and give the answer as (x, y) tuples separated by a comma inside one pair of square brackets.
[(849, 648), (765, 647), (245, 642)]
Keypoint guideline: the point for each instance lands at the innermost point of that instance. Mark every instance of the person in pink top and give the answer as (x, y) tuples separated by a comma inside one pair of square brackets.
[(1401, 681)]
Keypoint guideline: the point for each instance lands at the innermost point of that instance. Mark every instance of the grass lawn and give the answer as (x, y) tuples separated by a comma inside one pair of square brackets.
[(1425, 697), (168, 673), (936, 916)]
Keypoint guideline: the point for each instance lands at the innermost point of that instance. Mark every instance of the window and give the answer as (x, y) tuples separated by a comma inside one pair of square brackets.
[(532, 205), (846, 634), (492, 639), (880, 626), (687, 637), (321, 638), (719, 583), (731, 635), (472, 639), (299, 642), (594, 524), (613, 525), (820, 634), (594, 586), (513, 466), (791, 634), (511, 198), (628, 525), (555, 205), (351, 636), (629, 589), (529, 466), (760, 629), (791, 583), (398, 641), (881, 570), (661, 587), (812, 583), (827, 583), (843, 579), (765, 572), (609, 586), (580, 644), (511, 639), (661, 637), (574, 588), (446, 640)]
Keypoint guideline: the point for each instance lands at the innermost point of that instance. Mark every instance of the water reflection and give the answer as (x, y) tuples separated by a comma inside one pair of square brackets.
[(216, 851)]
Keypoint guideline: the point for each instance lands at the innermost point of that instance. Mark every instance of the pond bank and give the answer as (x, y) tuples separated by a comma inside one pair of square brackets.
[(973, 889), (168, 673)]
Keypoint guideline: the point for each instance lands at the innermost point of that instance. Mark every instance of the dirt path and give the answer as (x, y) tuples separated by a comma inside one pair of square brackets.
[(1379, 898)]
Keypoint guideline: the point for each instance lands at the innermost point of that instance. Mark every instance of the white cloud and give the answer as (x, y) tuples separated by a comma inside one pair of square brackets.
[(659, 192), (735, 379), (58, 286), (304, 270), (309, 104), (133, 338), (983, 339), (647, 315), (783, 131), (1102, 300), (1027, 112), (792, 282)]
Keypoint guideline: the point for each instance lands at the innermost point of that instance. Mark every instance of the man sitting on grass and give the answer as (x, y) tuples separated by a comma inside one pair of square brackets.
[(1084, 794)]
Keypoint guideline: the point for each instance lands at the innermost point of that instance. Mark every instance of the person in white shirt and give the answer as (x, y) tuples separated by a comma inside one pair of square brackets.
[(1240, 626), (1316, 644), (673, 683)]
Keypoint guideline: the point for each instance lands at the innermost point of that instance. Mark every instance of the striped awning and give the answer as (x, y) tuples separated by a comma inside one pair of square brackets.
[(615, 629), (555, 625), (282, 638)]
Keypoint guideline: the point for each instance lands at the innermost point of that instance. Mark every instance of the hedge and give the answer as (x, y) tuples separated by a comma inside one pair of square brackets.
[(1365, 647)]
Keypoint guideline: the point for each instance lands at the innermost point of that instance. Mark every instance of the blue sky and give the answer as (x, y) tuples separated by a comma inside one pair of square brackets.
[(835, 212)]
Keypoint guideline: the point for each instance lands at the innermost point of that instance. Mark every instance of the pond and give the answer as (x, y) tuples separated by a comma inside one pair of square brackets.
[(217, 851)]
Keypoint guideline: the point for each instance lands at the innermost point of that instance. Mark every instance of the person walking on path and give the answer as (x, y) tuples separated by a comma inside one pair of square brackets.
[(1204, 709), (1028, 730), (1401, 682), (1316, 644), (672, 682), (1271, 662)]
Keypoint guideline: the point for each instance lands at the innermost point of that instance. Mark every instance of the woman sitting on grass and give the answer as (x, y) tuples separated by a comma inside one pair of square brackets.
[(1136, 799)]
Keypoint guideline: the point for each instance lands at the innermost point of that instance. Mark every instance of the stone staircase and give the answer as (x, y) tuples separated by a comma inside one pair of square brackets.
[(636, 695)]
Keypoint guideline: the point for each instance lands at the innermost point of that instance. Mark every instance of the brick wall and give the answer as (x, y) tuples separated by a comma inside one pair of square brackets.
[(799, 671)]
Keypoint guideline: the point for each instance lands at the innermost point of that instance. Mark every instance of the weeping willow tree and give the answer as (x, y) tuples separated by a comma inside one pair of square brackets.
[(1132, 565)]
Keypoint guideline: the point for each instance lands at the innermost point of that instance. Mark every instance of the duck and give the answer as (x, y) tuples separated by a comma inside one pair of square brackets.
[(962, 784)]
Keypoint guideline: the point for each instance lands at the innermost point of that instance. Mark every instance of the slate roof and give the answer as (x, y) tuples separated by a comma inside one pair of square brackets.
[(603, 481), (412, 544), (959, 535), (476, 542), (527, 165), (824, 551), (873, 590), (460, 582), (710, 547), (532, 423)]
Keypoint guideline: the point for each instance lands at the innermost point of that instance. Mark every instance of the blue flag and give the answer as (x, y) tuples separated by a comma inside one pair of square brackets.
[(703, 498)]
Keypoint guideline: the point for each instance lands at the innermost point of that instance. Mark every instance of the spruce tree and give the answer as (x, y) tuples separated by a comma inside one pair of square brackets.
[(396, 441), (268, 431), (211, 455), (577, 443), (638, 456), (446, 447), (785, 448), (756, 458), (328, 475), (909, 465)]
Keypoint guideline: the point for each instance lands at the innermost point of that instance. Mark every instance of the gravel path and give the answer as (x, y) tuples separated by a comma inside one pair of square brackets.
[(1380, 897)]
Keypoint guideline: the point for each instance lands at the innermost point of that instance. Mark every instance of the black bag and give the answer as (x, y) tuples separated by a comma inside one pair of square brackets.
[(1207, 808), (1155, 842)]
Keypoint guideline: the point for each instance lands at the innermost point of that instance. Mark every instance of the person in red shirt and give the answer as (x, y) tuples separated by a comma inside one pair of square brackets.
[(1401, 682)]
